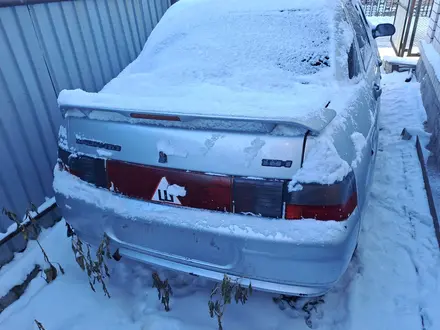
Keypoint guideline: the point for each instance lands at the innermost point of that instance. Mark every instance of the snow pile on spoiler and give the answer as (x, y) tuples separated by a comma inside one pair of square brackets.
[(225, 57), (322, 165)]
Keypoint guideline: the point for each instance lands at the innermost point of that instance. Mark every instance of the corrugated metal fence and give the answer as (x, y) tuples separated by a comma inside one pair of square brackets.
[(45, 47)]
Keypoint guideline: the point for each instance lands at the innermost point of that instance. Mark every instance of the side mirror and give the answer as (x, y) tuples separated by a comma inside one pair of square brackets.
[(384, 30)]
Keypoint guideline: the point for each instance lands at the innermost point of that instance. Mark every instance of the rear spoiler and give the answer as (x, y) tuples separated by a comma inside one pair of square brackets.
[(315, 122)]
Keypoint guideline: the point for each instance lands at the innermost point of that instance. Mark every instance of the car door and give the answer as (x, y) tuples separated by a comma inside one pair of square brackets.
[(377, 62), (369, 28), (377, 76), (368, 103), (368, 56)]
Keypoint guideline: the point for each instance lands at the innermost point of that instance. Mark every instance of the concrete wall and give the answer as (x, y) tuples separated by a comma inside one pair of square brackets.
[(434, 26), (47, 46), (427, 73), (430, 88)]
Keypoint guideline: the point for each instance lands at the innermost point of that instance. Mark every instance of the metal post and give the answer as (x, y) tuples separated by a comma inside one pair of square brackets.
[(400, 44), (377, 9), (431, 4), (413, 36), (409, 16)]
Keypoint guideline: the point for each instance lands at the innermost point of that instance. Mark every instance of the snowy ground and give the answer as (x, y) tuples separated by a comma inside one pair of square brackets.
[(392, 282)]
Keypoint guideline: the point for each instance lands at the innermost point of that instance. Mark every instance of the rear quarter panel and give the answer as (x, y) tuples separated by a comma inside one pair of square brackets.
[(359, 118)]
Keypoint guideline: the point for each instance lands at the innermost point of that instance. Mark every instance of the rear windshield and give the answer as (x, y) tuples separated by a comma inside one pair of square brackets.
[(239, 43)]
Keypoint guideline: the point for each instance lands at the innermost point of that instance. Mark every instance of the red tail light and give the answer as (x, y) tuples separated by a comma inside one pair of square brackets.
[(260, 197), (323, 202), (150, 183), (202, 191)]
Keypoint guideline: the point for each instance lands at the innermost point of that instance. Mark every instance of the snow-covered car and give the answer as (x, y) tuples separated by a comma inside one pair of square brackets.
[(241, 141)]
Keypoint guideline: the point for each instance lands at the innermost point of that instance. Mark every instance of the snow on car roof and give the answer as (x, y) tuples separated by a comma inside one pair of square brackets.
[(249, 5), (227, 43), (226, 57)]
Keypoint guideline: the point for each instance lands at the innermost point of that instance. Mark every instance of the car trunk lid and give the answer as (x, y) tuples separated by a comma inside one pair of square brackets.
[(240, 166)]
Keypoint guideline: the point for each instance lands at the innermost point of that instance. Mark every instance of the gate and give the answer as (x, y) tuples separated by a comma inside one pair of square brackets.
[(411, 18), (379, 7), (401, 20), (411, 21)]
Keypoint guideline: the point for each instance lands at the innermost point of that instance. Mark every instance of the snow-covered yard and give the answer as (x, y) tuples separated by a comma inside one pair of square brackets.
[(392, 282)]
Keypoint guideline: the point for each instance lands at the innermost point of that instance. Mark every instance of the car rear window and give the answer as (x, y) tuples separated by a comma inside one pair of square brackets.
[(294, 41)]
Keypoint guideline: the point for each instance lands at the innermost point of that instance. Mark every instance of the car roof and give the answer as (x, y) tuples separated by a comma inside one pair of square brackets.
[(194, 35), (241, 58), (260, 5)]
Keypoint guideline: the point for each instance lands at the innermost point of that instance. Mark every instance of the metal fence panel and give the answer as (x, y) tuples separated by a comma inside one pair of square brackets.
[(419, 27), (47, 47), (27, 126), (379, 7), (401, 22), (411, 26), (388, 7)]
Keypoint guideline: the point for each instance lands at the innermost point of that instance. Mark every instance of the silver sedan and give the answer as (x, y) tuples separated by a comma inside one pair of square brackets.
[(242, 141)]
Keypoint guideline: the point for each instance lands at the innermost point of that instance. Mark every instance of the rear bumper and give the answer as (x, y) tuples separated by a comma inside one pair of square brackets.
[(297, 258)]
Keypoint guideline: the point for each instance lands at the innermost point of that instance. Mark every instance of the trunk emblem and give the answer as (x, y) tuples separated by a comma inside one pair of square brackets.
[(98, 144), (276, 163)]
